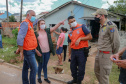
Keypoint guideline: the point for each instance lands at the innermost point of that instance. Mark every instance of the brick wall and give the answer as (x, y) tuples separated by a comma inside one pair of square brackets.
[(8, 27)]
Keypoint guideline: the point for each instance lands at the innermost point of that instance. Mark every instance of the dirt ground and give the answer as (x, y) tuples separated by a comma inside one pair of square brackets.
[(11, 75), (66, 76)]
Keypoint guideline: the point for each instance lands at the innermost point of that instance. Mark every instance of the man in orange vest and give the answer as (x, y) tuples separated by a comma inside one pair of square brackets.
[(78, 43), (27, 44)]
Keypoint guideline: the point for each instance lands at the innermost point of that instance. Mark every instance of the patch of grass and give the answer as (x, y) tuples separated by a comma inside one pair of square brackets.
[(9, 41), (114, 75), (89, 71), (7, 53)]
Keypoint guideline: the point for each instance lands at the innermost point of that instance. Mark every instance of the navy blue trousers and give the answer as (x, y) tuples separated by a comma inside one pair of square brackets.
[(77, 65)]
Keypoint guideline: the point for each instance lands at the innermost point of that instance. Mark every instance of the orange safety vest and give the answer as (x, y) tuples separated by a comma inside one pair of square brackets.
[(30, 41), (75, 34)]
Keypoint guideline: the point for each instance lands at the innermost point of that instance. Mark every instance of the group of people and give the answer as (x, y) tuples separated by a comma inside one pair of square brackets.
[(38, 46)]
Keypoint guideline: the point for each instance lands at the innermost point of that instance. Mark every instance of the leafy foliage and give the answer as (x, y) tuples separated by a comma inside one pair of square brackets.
[(119, 6), (12, 18), (15, 32)]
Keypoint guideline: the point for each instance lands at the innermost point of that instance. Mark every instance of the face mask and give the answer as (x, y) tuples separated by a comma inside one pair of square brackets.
[(97, 19), (42, 26), (32, 19), (74, 24)]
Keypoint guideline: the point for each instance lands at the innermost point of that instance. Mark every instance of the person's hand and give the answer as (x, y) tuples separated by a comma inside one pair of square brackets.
[(62, 22), (57, 47), (21, 56), (69, 57), (116, 56), (77, 42), (17, 51), (38, 53), (121, 63)]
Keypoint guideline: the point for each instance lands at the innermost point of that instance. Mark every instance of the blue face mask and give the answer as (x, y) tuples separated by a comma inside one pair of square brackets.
[(32, 19)]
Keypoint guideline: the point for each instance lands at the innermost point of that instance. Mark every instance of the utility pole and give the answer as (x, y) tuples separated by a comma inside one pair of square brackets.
[(7, 10), (21, 11)]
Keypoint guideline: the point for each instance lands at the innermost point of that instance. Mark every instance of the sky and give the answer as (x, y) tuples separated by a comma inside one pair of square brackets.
[(46, 5)]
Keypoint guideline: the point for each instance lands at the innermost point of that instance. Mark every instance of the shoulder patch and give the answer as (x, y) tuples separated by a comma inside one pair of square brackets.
[(31, 28), (109, 23), (78, 32), (104, 28), (112, 29)]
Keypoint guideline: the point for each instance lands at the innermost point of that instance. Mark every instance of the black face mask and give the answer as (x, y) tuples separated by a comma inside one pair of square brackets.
[(97, 19)]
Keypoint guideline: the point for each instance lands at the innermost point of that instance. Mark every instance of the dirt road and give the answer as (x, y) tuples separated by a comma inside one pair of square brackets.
[(11, 75)]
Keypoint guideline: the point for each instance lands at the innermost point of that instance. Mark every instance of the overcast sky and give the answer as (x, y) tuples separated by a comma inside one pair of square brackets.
[(46, 5)]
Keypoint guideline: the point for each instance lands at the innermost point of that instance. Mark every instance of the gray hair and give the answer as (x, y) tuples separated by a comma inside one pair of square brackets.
[(28, 12)]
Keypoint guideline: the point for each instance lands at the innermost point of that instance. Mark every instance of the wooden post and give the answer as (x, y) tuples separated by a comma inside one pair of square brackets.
[(7, 10), (21, 11)]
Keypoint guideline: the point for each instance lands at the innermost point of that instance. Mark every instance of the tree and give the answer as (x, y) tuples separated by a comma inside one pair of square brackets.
[(12, 19), (119, 6)]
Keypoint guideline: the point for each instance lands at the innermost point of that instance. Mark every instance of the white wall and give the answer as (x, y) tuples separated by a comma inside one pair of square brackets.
[(59, 16)]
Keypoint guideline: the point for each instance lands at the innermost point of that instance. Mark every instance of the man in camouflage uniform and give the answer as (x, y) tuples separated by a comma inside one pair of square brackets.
[(108, 43)]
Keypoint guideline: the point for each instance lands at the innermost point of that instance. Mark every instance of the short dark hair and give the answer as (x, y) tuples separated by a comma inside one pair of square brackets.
[(106, 16), (62, 28), (66, 29), (70, 17)]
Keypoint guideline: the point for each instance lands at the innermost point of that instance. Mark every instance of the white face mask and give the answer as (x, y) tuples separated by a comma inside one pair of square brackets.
[(42, 26), (74, 24)]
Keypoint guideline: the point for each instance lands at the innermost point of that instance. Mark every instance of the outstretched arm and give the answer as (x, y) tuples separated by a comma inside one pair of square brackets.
[(57, 32), (56, 26)]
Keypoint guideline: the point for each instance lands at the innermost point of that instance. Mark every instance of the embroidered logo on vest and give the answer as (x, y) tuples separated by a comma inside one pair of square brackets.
[(78, 32)]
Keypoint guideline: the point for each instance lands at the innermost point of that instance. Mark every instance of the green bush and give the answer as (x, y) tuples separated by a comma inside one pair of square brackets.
[(15, 32)]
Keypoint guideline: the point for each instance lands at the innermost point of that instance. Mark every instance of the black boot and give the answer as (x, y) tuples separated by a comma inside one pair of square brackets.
[(39, 80), (79, 82), (47, 80), (72, 81)]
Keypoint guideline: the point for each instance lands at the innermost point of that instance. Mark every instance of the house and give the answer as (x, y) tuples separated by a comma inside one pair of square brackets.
[(81, 12), (1, 20), (4, 15), (41, 14), (17, 17), (1, 13)]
